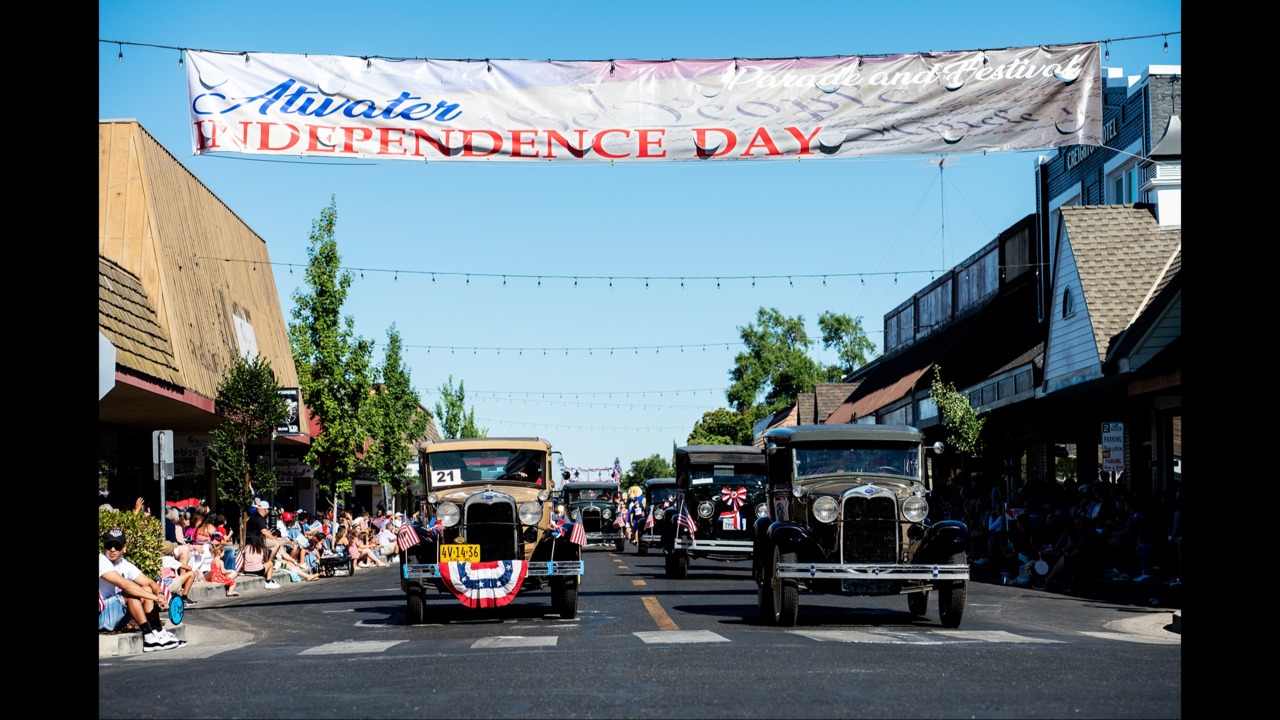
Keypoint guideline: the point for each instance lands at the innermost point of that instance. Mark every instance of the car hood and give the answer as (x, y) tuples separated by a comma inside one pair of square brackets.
[(839, 485), (460, 495)]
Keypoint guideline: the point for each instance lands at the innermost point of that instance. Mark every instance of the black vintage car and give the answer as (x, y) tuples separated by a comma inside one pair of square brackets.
[(660, 501), (720, 491), (595, 504), (848, 515)]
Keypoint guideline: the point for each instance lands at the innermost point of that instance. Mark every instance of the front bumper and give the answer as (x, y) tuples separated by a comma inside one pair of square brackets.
[(552, 568), (871, 571), (731, 547)]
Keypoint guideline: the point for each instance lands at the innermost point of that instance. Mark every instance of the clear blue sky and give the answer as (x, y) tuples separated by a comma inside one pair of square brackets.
[(893, 220)]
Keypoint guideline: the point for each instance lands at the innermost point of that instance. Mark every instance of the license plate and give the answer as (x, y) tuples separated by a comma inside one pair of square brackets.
[(459, 553)]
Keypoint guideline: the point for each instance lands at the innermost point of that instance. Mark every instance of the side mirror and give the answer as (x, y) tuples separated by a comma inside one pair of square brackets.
[(770, 449), (938, 447)]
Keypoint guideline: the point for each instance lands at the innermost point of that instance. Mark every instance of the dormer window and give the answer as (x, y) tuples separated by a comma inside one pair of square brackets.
[(1068, 303)]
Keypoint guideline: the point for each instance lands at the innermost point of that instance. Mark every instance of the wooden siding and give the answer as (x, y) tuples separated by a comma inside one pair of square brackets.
[(156, 221), (1168, 329), (1072, 353)]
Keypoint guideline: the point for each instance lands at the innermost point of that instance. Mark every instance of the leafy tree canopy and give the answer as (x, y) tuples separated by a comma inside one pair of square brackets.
[(249, 402), (333, 362), (722, 427), (455, 420), (643, 469), (396, 419), (963, 425)]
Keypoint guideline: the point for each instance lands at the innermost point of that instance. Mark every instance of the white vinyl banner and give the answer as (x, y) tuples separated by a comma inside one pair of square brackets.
[(644, 110)]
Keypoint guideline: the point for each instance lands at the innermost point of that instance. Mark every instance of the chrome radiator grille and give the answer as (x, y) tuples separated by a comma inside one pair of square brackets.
[(493, 526), (869, 529)]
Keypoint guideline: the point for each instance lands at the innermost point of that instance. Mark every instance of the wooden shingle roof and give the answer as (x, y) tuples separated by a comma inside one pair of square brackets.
[(1120, 252), (128, 319)]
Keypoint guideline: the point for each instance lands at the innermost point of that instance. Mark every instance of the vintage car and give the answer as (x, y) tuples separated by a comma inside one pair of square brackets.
[(594, 503), (848, 515), (720, 491), (660, 501), (485, 530)]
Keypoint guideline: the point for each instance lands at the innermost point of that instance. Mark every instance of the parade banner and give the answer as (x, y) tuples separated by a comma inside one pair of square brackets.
[(644, 110)]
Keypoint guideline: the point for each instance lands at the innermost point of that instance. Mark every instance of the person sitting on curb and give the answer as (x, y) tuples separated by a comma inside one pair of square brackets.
[(178, 574), (218, 572), (125, 593), (255, 559), (257, 524)]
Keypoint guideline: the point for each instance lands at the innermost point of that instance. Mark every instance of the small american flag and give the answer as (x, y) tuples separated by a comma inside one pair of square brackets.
[(407, 537), (578, 534), (686, 520), (102, 604), (648, 524), (240, 561), (165, 593)]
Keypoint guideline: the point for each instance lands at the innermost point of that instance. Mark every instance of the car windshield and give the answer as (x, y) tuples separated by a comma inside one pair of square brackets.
[(879, 460), (589, 495), (478, 466), (699, 477), (662, 495)]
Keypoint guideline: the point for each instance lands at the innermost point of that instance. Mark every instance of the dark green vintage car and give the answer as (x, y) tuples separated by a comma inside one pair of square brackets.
[(847, 515), (595, 504), (660, 500), (720, 491)]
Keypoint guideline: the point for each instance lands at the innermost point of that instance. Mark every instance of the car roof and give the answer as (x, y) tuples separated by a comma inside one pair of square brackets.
[(590, 485), (856, 431), (658, 482), (486, 443)]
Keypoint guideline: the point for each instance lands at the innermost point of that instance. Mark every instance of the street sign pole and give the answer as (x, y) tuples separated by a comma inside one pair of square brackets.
[(162, 465)]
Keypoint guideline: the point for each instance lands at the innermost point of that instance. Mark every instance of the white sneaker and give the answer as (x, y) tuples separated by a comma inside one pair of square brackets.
[(158, 640), (272, 584), (170, 636)]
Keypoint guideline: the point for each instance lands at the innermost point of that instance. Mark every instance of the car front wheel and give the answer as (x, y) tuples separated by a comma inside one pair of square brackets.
[(417, 607), (918, 602), (952, 598), (786, 593), (564, 597)]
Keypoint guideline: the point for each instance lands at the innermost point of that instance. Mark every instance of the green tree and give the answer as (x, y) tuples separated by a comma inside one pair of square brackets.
[(722, 427), (654, 466), (396, 420), (846, 335), (251, 408), (455, 420), (963, 425), (333, 362), (776, 366)]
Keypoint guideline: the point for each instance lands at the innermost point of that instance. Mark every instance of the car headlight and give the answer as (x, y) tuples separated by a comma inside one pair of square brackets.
[(574, 515), (606, 513), (797, 490), (705, 508), (449, 514), (657, 515), (915, 508), (530, 512), (824, 509), (762, 510), (543, 496), (433, 498), (560, 509)]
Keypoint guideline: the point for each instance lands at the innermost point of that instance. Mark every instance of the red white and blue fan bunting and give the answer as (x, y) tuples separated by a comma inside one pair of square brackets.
[(490, 584)]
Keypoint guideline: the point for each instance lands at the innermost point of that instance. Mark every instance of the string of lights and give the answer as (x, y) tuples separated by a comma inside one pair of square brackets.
[(633, 349), (591, 394), (120, 44), (610, 279), (592, 427), (615, 405)]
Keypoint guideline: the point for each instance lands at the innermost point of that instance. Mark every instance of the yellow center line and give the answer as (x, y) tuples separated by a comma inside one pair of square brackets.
[(659, 615), (638, 582), (623, 567)]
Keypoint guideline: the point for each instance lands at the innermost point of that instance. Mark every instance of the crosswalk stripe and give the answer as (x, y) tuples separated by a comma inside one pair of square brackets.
[(514, 641), (350, 647), (679, 636)]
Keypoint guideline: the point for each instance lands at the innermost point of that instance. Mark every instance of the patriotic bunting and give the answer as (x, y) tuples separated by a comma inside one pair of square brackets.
[(490, 584)]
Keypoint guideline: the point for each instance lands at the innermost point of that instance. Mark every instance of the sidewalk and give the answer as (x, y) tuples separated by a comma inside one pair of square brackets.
[(1153, 594), (215, 594)]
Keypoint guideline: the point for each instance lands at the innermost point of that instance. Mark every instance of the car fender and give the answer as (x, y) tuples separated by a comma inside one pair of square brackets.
[(942, 540), (790, 537)]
